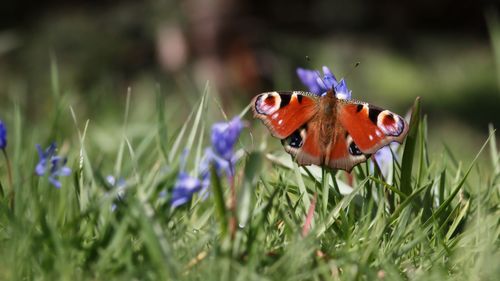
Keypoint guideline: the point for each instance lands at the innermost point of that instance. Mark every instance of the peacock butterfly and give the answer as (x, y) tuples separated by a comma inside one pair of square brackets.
[(325, 130)]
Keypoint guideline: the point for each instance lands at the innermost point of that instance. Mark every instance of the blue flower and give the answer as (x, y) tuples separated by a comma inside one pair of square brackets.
[(385, 158), (221, 154), (120, 186), (3, 135), (320, 85), (186, 186), (184, 189), (220, 164), (224, 137), (52, 164), (44, 156)]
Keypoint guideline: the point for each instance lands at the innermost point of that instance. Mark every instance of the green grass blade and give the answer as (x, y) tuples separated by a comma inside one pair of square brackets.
[(326, 190), (458, 220), (193, 129), (406, 202), (495, 159), (442, 184), (388, 186), (155, 241), (302, 186), (455, 191), (174, 148), (409, 150), (197, 119), (335, 213), (219, 202), (252, 171), (121, 148), (423, 162), (162, 123)]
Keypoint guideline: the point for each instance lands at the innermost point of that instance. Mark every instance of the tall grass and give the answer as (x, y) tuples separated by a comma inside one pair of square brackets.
[(429, 222)]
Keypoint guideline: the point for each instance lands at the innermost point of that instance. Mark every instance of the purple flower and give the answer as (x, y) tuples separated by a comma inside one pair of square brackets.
[(3, 135), (221, 154), (385, 158), (224, 136), (119, 185), (52, 164), (221, 165), (184, 188), (320, 85)]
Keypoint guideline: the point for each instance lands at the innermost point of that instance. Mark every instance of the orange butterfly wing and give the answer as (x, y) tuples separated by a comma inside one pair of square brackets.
[(371, 127), (303, 144), (284, 112), (343, 153), (340, 153)]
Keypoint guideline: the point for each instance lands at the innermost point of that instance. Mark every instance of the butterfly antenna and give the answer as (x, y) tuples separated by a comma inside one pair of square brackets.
[(351, 70)]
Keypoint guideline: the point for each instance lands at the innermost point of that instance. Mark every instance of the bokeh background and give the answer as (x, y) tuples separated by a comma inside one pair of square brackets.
[(447, 52)]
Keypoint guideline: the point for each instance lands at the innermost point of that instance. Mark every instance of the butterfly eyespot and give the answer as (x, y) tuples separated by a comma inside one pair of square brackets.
[(388, 119), (267, 103), (354, 149), (390, 124), (295, 140), (269, 100)]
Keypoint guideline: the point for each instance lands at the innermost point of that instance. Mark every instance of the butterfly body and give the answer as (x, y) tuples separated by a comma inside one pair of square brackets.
[(325, 130)]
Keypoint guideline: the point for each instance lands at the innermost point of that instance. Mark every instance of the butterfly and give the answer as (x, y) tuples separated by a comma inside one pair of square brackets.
[(325, 130)]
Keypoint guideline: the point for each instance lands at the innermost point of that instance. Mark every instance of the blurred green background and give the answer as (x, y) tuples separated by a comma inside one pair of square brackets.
[(447, 52)]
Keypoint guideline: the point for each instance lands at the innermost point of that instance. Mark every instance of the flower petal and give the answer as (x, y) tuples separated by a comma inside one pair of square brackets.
[(224, 136), (321, 85), (64, 171), (3, 135), (311, 80), (54, 182), (111, 180), (384, 158), (341, 90), (57, 164), (184, 189), (40, 168)]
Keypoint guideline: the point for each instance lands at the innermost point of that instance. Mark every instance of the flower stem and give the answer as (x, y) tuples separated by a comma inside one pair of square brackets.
[(232, 202), (9, 174), (232, 208)]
